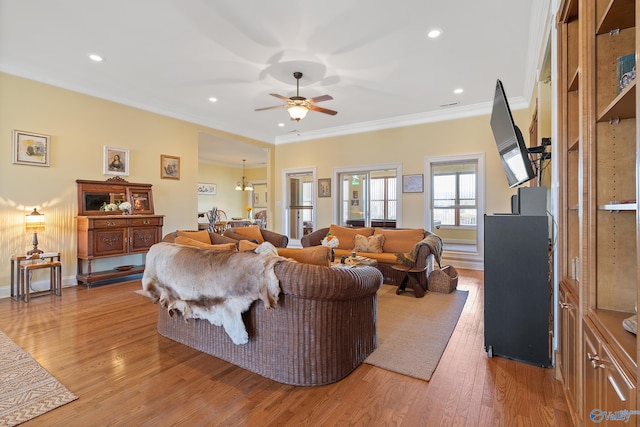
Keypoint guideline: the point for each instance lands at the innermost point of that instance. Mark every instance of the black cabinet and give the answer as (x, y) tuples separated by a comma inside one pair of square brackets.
[(516, 288)]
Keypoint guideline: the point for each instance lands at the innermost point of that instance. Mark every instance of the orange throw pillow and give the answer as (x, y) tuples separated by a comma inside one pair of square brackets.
[(372, 244), (315, 255), (201, 236), (182, 240), (252, 233), (246, 245)]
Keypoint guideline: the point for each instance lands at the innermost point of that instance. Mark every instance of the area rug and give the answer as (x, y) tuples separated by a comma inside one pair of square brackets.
[(414, 332), (26, 388)]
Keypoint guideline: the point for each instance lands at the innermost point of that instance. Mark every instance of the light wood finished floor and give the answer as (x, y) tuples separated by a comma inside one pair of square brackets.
[(102, 344)]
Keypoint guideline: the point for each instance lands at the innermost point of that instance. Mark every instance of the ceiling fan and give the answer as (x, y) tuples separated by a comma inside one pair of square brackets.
[(298, 106)]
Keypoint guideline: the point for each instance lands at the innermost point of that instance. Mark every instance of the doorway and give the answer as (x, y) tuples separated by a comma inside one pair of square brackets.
[(300, 203)]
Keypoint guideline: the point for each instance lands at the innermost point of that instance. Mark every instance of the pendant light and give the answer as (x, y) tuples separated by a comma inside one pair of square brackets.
[(244, 185)]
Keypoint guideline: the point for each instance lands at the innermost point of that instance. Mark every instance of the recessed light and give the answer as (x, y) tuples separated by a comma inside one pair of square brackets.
[(213, 99), (432, 34), (458, 91), (96, 58), (281, 125)]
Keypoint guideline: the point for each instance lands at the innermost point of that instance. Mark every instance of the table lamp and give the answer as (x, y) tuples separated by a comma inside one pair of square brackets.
[(34, 222)]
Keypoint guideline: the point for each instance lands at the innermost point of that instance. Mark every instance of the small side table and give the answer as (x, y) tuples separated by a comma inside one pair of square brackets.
[(22, 267), (411, 274)]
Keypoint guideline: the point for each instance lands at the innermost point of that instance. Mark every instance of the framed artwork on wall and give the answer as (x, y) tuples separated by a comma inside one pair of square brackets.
[(210, 189), (141, 200), (169, 167), (31, 148), (324, 187), (412, 183), (115, 161)]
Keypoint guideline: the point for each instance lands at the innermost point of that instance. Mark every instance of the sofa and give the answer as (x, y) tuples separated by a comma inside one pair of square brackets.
[(254, 234), (387, 246), (322, 328)]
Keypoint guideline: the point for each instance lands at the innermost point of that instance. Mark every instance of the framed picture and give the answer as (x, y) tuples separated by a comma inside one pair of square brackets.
[(141, 200), (30, 148), (412, 183), (324, 187), (169, 167), (209, 189), (115, 161)]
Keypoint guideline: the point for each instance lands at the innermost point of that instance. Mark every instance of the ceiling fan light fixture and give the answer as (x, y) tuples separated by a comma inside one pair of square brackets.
[(297, 112)]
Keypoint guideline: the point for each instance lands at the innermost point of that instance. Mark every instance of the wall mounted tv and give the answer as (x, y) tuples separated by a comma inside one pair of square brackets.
[(513, 152)]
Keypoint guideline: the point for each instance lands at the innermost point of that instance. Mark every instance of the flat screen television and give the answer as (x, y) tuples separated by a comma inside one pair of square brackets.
[(513, 152)]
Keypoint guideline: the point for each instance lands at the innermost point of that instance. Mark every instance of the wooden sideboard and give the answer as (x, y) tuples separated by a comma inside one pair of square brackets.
[(112, 234)]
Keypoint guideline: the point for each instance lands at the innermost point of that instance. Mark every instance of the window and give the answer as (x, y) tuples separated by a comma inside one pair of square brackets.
[(307, 200), (455, 193), (383, 198), (366, 195)]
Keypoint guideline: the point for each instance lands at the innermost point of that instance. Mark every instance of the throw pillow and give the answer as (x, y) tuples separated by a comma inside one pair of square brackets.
[(315, 255), (182, 240), (346, 236), (201, 236), (217, 239), (252, 233), (372, 244), (246, 245)]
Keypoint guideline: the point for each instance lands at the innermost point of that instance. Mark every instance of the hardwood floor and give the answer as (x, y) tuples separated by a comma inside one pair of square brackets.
[(103, 345)]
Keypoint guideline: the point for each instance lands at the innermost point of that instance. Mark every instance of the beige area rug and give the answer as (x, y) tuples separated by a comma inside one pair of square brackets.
[(414, 332), (26, 388)]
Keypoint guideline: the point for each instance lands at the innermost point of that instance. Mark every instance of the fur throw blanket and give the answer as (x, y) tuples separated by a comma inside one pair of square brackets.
[(431, 240), (216, 286)]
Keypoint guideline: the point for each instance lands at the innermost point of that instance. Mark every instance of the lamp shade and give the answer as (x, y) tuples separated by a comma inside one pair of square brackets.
[(34, 221), (297, 112)]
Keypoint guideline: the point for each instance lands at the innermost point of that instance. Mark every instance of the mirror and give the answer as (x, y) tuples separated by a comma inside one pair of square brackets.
[(92, 195), (94, 201)]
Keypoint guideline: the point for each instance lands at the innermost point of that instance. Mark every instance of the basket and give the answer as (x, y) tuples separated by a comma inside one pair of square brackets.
[(443, 280)]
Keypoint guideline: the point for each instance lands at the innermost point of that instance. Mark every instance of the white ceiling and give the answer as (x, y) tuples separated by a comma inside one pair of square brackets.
[(372, 56)]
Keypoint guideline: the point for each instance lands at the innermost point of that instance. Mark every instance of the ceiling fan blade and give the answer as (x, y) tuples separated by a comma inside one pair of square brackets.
[(320, 99), (270, 108), (323, 110), (284, 98)]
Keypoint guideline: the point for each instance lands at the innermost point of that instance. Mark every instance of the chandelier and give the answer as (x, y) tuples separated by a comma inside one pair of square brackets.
[(244, 185)]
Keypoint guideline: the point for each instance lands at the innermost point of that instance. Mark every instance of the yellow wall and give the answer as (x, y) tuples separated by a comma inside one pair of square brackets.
[(79, 127), (232, 202), (409, 146)]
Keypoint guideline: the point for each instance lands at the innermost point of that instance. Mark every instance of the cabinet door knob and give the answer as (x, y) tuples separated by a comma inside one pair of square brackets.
[(146, 222), (111, 223), (566, 306)]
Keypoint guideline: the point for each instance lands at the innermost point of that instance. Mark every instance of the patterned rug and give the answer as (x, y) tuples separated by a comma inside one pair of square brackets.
[(26, 388)]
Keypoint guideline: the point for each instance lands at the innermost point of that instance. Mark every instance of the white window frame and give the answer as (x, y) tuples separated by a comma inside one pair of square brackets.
[(368, 168), (478, 255)]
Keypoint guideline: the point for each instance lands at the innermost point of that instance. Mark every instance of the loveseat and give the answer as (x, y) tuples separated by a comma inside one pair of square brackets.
[(323, 327), (385, 246)]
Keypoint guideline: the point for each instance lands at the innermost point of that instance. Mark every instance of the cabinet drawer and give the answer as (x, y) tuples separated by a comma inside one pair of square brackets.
[(145, 221), (108, 223)]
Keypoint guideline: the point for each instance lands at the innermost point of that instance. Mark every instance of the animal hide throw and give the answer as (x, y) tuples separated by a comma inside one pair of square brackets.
[(212, 285)]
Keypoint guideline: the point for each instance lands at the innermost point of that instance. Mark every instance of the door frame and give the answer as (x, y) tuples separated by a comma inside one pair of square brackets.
[(286, 197)]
